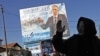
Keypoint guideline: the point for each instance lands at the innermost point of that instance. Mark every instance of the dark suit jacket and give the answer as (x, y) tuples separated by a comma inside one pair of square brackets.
[(52, 26)]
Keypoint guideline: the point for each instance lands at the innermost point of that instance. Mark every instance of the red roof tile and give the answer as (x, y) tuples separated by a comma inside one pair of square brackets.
[(10, 45)]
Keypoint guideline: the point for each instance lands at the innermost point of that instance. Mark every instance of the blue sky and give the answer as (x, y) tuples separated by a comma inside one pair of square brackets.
[(75, 9)]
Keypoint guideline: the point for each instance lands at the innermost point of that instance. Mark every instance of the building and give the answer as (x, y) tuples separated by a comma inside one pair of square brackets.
[(13, 48), (2, 50)]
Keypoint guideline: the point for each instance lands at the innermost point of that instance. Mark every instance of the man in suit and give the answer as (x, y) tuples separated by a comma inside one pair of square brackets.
[(51, 22)]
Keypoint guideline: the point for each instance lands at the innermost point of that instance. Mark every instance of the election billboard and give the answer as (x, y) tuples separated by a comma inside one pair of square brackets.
[(39, 23)]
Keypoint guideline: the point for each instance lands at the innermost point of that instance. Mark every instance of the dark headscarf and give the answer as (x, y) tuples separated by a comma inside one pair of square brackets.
[(89, 26)]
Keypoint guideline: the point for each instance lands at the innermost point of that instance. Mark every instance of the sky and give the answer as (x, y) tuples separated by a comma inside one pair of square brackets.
[(74, 8)]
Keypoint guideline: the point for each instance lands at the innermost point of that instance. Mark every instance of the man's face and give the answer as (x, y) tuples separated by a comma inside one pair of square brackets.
[(55, 10)]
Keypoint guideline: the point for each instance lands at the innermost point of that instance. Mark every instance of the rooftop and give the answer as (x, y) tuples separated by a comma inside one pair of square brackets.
[(11, 45)]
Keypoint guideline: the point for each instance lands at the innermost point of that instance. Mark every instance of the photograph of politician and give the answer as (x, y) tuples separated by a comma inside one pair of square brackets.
[(52, 21)]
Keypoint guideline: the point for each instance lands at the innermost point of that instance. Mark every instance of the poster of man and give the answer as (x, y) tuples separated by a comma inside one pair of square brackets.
[(39, 23), (53, 19)]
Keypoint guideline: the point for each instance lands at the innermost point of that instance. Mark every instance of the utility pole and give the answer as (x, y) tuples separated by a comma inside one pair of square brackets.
[(5, 36)]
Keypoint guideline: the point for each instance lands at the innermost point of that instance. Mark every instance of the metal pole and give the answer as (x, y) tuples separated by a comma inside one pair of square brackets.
[(4, 29)]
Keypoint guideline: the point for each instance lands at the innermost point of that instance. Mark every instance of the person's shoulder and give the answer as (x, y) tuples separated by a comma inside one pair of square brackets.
[(97, 38), (75, 36), (61, 14), (72, 39), (50, 17)]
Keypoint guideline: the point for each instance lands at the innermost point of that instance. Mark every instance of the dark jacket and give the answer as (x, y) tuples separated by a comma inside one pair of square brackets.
[(84, 45)]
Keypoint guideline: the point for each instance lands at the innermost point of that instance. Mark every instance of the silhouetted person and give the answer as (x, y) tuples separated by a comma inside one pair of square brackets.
[(85, 43)]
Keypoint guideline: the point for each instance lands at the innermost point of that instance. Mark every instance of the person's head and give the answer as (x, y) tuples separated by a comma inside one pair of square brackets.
[(86, 26), (55, 9)]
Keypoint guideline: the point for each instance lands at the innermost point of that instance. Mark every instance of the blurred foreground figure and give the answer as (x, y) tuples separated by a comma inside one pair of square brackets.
[(85, 43)]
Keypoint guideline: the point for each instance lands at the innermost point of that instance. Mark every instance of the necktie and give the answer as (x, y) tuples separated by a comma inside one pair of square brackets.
[(55, 20)]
